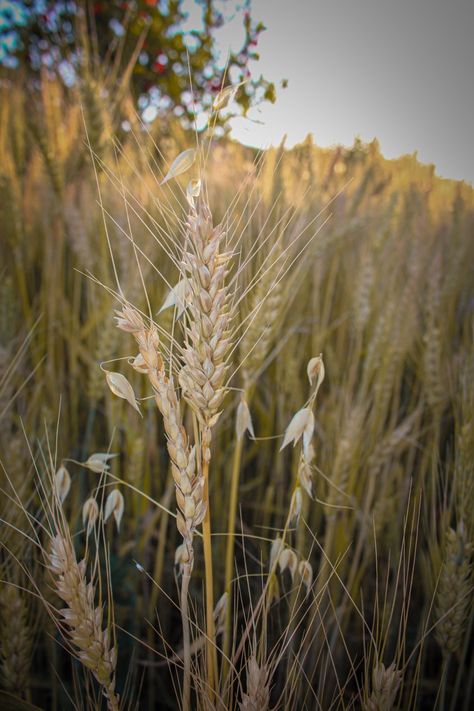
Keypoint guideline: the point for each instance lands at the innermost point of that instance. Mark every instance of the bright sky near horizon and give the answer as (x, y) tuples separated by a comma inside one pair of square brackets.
[(400, 70)]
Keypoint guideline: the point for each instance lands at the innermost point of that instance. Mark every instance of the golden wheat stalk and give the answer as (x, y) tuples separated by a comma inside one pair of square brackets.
[(208, 341), (189, 484)]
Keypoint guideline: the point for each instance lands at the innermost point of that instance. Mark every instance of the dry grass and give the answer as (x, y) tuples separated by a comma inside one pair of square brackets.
[(342, 564)]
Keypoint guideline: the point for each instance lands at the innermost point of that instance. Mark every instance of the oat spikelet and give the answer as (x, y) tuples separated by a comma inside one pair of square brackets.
[(84, 620), (207, 327), (257, 697), (15, 647), (385, 685), (454, 592), (189, 485)]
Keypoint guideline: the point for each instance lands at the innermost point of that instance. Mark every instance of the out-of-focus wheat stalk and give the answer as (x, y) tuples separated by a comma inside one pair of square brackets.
[(454, 593), (16, 641)]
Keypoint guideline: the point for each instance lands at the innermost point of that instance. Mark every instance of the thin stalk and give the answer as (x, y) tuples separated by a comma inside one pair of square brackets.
[(161, 548), (444, 678), (210, 628), (230, 547), (186, 705), (262, 599), (460, 676), (293, 625), (325, 569)]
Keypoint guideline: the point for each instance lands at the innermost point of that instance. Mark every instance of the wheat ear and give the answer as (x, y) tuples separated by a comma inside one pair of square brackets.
[(257, 697), (385, 685), (189, 485), (15, 647), (205, 355), (84, 620), (454, 591), (207, 328)]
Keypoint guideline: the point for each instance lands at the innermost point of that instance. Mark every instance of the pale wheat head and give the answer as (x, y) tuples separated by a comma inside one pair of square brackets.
[(82, 617)]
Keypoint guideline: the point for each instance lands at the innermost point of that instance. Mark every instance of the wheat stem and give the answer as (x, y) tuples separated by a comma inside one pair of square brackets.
[(210, 627), (230, 547), (186, 638)]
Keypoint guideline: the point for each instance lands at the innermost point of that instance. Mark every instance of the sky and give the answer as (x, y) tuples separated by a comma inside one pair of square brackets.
[(398, 70)]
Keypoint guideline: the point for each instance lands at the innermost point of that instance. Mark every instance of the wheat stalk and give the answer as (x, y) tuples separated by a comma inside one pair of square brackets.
[(189, 484), (205, 355)]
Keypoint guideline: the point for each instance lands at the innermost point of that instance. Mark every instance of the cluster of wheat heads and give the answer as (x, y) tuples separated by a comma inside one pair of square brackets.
[(336, 573), (194, 369)]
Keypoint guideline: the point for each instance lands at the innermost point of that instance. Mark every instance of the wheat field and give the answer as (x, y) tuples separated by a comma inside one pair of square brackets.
[(237, 419)]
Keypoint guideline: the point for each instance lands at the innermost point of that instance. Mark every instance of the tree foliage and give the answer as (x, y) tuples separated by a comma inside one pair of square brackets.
[(157, 44)]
